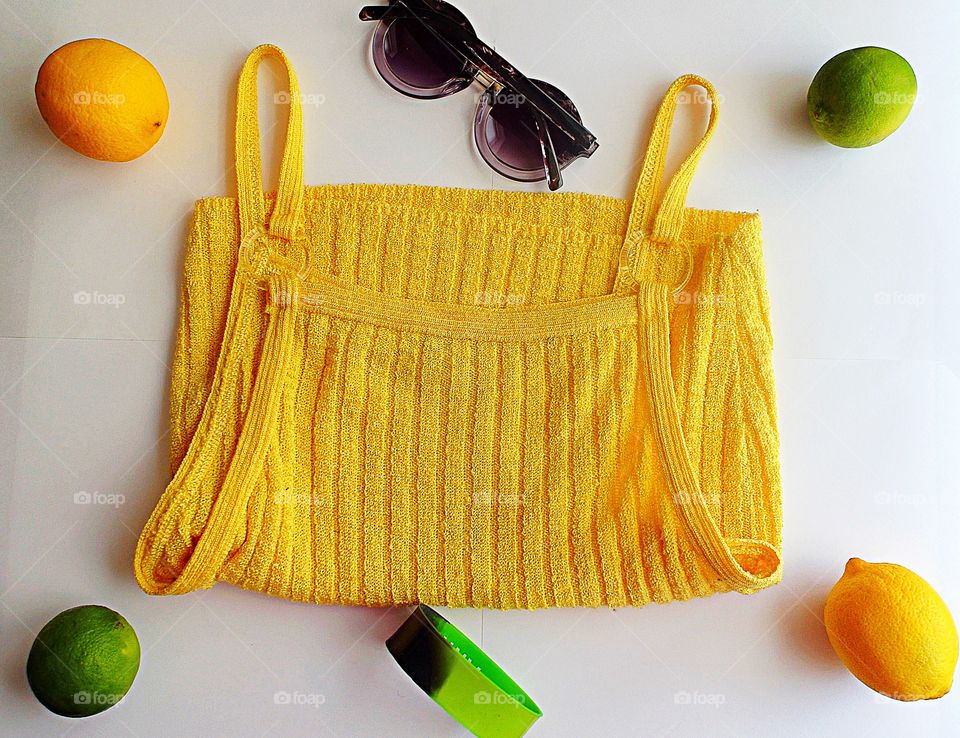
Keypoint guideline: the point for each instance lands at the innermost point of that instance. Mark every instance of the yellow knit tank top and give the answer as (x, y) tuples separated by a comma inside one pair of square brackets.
[(400, 394)]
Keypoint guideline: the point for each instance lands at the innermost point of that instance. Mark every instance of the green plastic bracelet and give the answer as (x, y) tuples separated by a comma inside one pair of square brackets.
[(460, 677)]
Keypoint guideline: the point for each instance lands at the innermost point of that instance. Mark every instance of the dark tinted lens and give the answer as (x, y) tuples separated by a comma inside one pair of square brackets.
[(509, 132), (409, 56), (417, 57)]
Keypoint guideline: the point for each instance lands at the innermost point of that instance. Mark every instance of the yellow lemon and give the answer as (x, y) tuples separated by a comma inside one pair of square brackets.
[(892, 631), (102, 99)]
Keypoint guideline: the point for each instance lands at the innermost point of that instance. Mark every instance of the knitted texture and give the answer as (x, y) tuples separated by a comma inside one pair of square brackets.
[(393, 394)]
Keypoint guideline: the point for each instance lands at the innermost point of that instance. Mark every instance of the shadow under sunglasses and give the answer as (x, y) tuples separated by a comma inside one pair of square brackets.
[(524, 129)]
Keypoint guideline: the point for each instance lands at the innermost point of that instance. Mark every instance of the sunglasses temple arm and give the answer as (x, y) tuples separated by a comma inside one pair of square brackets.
[(551, 166), (374, 12), (395, 9)]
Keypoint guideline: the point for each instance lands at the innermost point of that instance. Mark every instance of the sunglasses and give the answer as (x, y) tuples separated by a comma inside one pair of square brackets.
[(524, 129)]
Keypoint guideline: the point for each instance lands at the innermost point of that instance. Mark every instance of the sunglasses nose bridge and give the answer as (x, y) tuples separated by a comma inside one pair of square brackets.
[(490, 83), (472, 73)]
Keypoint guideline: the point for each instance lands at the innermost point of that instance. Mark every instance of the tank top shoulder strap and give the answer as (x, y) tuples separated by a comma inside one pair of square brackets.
[(655, 218), (285, 220)]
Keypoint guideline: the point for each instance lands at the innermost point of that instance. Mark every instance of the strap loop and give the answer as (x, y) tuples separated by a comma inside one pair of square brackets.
[(662, 221), (228, 514), (287, 211), (746, 565)]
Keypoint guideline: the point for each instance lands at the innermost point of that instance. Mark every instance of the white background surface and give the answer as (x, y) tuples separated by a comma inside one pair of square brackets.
[(861, 252)]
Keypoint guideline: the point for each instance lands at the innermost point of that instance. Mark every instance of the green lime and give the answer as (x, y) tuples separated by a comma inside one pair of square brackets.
[(83, 661), (861, 96)]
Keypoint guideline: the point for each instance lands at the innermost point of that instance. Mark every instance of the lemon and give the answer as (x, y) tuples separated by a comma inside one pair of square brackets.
[(861, 96), (83, 661), (102, 99), (892, 631)]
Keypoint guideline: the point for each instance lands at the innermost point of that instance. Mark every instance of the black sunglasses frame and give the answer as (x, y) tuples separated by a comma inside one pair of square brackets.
[(487, 63)]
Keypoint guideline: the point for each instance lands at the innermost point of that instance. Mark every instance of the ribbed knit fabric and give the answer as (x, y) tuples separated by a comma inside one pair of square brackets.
[(398, 394)]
